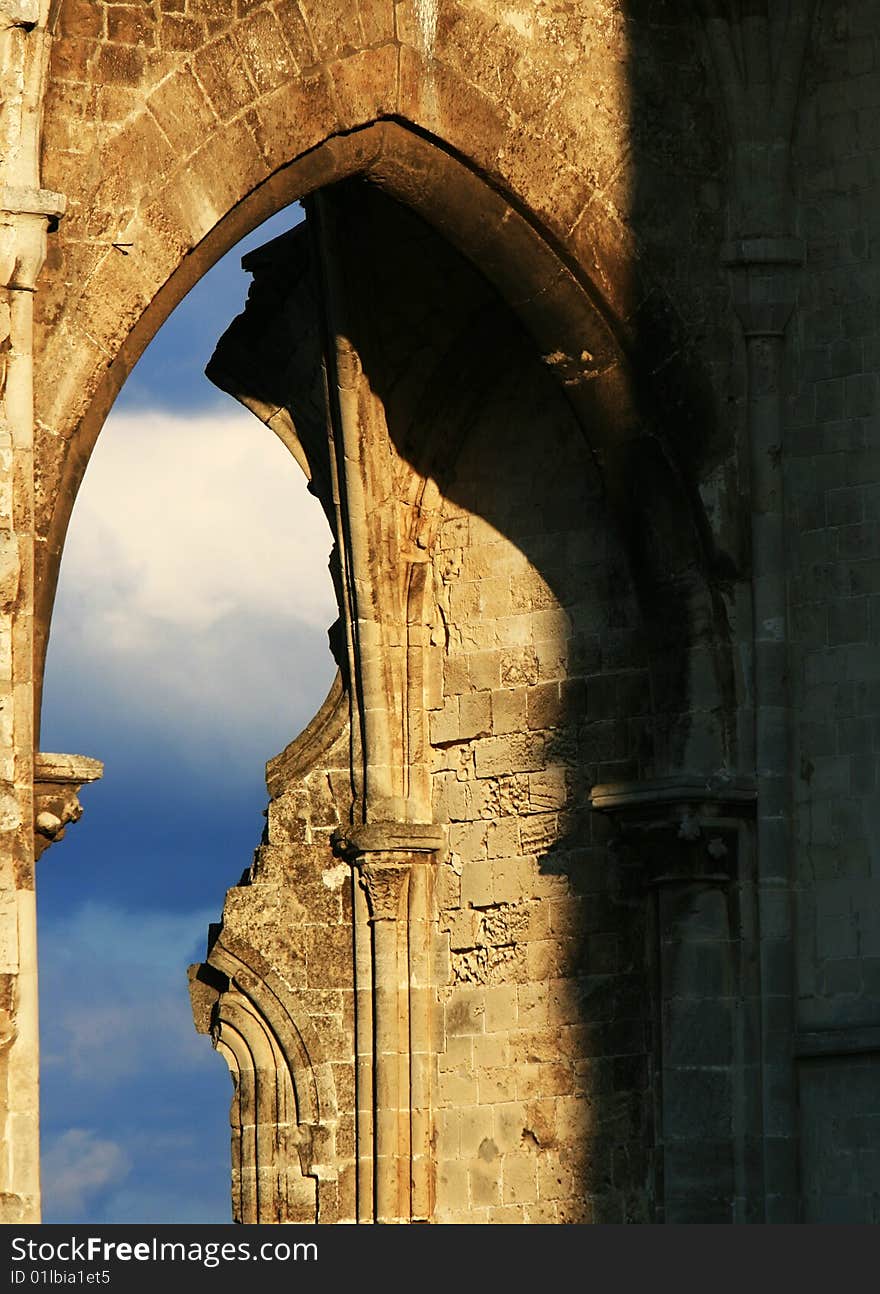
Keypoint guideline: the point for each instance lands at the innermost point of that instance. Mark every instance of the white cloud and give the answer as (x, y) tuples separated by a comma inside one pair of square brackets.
[(183, 520), (194, 596), (78, 1165)]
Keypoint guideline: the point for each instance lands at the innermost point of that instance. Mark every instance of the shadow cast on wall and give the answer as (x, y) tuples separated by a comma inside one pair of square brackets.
[(567, 609)]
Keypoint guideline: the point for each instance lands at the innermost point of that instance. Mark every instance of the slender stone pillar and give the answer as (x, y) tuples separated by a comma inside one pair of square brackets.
[(363, 1042), (24, 216), (26, 210), (385, 879), (393, 1105), (759, 61), (764, 275)]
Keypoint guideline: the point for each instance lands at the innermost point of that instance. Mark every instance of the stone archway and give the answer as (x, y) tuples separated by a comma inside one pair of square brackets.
[(197, 131), (603, 397), (583, 345), (278, 103), (659, 161)]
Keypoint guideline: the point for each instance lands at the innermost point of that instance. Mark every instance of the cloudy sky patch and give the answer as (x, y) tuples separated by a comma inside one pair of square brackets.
[(194, 595), (188, 646), (119, 995), (182, 520), (135, 1101), (78, 1166)]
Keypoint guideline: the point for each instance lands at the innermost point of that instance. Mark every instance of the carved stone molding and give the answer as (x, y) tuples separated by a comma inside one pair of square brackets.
[(385, 884), (680, 829), (758, 65), (57, 781), (283, 1125), (685, 840), (388, 837), (630, 799), (764, 274), (383, 853)]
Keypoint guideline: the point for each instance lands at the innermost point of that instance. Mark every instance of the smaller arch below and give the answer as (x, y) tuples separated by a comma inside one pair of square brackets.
[(284, 1112)]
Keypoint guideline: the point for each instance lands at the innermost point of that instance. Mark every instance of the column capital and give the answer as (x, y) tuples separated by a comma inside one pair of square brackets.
[(681, 829), (382, 854), (25, 217), (764, 277), (385, 881)]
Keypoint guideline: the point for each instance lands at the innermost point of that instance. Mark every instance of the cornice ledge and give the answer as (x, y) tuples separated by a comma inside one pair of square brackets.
[(389, 837), (29, 201), (66, 769), (688, 789), (763, 251)]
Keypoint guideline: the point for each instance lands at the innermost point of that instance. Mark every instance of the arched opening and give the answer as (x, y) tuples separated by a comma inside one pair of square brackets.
[(189, 642), (559, 319), (584, 341)]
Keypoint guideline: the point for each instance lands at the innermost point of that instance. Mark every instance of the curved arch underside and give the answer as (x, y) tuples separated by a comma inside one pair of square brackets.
[(192, 144), (657, 512), (284, 1114)]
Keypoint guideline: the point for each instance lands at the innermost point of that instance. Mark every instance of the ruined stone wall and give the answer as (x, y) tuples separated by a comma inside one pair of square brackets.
[(598, 123), (172, 131), (536, 687), (276, 992)]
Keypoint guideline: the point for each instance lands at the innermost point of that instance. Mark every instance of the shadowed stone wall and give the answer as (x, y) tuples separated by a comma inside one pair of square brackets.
[(833, 482)]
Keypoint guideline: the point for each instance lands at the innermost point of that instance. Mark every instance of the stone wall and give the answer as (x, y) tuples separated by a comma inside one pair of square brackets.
[(544, 1102), (604, 500), (833, 484)]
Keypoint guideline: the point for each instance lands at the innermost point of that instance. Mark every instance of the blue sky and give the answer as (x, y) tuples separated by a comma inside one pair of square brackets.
[(188, 646)]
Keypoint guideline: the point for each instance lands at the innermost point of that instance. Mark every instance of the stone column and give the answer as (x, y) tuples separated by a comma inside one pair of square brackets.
[(692, 843), (25, 213), (393, 1016), (24, 216), (764, 274), (759, 64), (385, 879)]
